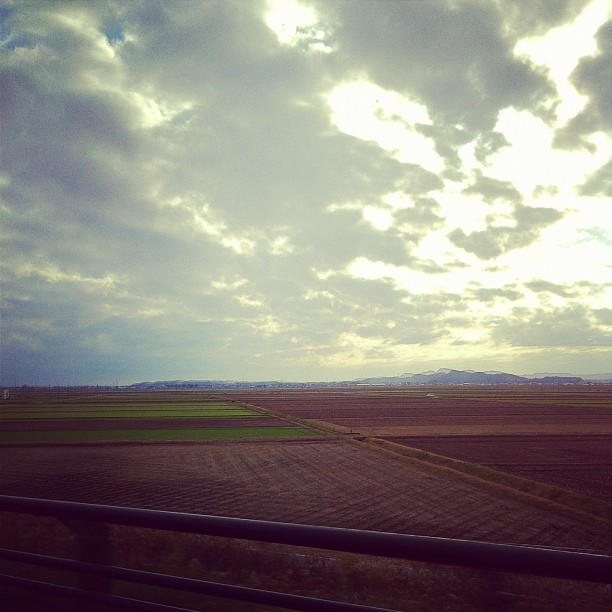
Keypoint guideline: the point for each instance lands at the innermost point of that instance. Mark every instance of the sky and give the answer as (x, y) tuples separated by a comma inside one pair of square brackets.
[(303, 191)]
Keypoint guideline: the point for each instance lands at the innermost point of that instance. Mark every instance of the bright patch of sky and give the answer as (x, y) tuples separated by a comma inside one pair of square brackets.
[(531, 160), (559, 50), (297, 25), (367, 111)]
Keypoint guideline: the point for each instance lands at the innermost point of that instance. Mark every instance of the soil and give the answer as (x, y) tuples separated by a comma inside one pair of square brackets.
[(561, 436), (579, 463), (335, 482), (557, 435)]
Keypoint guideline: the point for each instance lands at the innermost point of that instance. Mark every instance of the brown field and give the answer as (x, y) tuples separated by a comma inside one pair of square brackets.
[(335, 483), (557, 435), (357, 480), (384, 411), (346, 480), (580, 463)]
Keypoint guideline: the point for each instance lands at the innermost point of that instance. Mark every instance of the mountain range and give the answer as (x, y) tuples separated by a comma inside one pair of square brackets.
[(443, 376), (446, 376)]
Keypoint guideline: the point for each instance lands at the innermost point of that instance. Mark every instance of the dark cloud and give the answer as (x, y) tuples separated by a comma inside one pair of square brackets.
[(455, 57), (415, 179), (545, 286), (603, 316), (421, 215), (492, 189), (496, 240), (536, 17), (591, 78), (489, 143), (571, 326), (599, 183), (491, 295)]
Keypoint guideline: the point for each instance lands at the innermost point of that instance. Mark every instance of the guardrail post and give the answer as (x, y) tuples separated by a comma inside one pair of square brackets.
[(93, 546)]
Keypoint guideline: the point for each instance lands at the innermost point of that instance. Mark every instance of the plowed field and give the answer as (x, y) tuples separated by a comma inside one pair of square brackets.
[(336, 483), (580, 463), (557, 435), (336, 480)]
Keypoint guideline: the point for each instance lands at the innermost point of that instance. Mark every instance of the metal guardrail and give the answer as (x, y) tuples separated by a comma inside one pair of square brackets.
[(478, 555)]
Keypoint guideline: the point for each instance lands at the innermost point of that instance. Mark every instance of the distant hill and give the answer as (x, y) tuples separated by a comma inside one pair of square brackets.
[(599, 377), (547, 375), (446, 376), (605, 377), (443, 376)]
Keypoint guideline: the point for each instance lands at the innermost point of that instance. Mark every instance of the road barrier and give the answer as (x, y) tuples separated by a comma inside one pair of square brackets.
[(464, 553)]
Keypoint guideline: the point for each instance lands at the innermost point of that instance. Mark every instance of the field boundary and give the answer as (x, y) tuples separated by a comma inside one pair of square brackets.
[(542, 494), (548, 496), (314, 424)]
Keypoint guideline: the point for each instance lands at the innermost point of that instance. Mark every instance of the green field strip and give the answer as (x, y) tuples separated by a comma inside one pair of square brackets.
[(162, 407), (137, 435), (131, 415), (127, 414)]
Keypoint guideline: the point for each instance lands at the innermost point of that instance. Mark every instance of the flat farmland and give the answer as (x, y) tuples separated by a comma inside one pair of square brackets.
[(557, 435), (384, 411), (334, 478), (580, 463), (76, 417), (334, 482)]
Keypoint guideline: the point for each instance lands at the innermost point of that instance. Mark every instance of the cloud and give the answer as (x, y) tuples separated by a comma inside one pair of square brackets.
[(572, 326), (454, 57), (491, 189), (195, 190), (542, 285), (599, 183), (591, 78), (496, 240)]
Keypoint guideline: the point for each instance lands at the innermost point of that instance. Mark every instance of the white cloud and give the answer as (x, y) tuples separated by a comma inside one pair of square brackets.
[(559, 51), (296, 24), (369, 112), (380, 218), (281, 245), (154, 113), (531, 159)]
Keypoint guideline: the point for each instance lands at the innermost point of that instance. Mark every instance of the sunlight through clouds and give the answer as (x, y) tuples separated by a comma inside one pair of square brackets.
[(559, 51), (303, 189), (531, 159), (371, 113), (296, 24)]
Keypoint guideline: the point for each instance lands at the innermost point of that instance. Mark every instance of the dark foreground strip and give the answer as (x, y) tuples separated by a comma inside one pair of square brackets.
[(466, 553), (202, 587), (123, 603)]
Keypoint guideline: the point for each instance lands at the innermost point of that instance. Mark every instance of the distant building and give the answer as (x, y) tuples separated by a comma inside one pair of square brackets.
[(6, 394)]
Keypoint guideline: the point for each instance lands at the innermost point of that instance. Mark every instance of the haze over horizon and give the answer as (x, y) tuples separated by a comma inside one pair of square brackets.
[(303, 190)]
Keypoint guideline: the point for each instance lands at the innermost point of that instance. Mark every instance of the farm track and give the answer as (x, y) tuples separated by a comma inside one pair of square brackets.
[(498, 426)]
